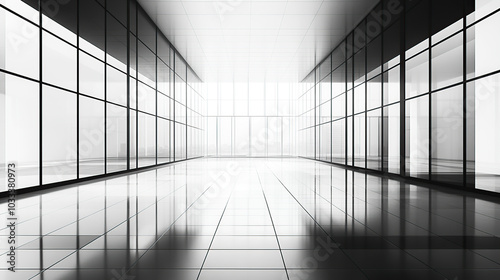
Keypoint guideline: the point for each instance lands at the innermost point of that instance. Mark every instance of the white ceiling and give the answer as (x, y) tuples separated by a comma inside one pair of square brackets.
[(256, 40)]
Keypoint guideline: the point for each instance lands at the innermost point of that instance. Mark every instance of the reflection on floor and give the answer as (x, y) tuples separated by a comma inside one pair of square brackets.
[(253, 219)]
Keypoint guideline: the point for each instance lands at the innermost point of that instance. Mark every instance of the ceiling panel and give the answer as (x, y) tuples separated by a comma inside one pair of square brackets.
[(237, 40)]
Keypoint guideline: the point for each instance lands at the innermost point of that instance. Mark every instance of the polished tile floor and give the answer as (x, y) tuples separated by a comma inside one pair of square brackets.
[(217, 219)]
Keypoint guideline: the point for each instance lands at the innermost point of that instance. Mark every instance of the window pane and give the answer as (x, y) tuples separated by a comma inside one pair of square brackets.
[(116, 136), (417, 24), (447, 62), (392, 46), (59, 62), (359, 99), (26, 8), (116, 40), (359, 140), (147, 65), (338, 141), (483, 94), (19, 102), (447, 135), (392, 87), (61, 19), (133, 139), (374, 138), (59, 135), (417, 75), (92, 28), (241, 136), (374, 58), (19, 46), (417, 137), (146, 29), (392, 139), (116, 83), (164, 141), (482, 47), (91, 136), (91, 76), (374, 94), (147, 140)]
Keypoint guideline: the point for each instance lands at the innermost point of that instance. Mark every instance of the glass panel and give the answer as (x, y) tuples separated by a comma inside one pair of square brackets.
[(61, 19), (392, 46), (59, 135), (92, 37), (146, 29), (483, 94), (116, 40), (445, 13), (224, 127), (482, 47), (116, 133), (338, 141), (359, 67), (146, 98), (133, 139), (163, 78), (91, 134), (147, 66), (447, 62), (118, 9), (325, 142), (374, 139), (242, 136), (274, 131), (417, 24), (116, 83), (180, 142), (163, 141), (91, 76), (338, 81), (59, 62), (417, 137), (19, 124), (359, 140), (374, 94), (359, 99), (26, 8), (338, 107), (19, 46), (391, 146), (257, 133), (147, 140), (447, 135), (417, 75), (392, 87), (374, 58), (349, 144)]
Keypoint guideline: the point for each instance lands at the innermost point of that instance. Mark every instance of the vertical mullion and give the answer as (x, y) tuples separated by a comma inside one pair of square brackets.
[(128, 89), (430, 177), (464, 99), (40, 96), (78, 90), (156, 96), (105, 87), (402, 93), (136, 87)]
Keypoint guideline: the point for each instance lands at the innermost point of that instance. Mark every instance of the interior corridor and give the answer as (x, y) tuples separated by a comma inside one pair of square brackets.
[(254, 219)]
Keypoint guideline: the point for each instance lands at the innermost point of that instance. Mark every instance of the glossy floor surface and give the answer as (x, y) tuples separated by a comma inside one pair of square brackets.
[(217, 219)]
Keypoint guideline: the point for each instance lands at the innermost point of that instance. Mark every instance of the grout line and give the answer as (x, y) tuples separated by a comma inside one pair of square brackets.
[(272, 222)]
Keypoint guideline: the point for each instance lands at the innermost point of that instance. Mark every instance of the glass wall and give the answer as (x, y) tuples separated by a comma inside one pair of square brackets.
[(413, 92), (90, 88), (250, 119)]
